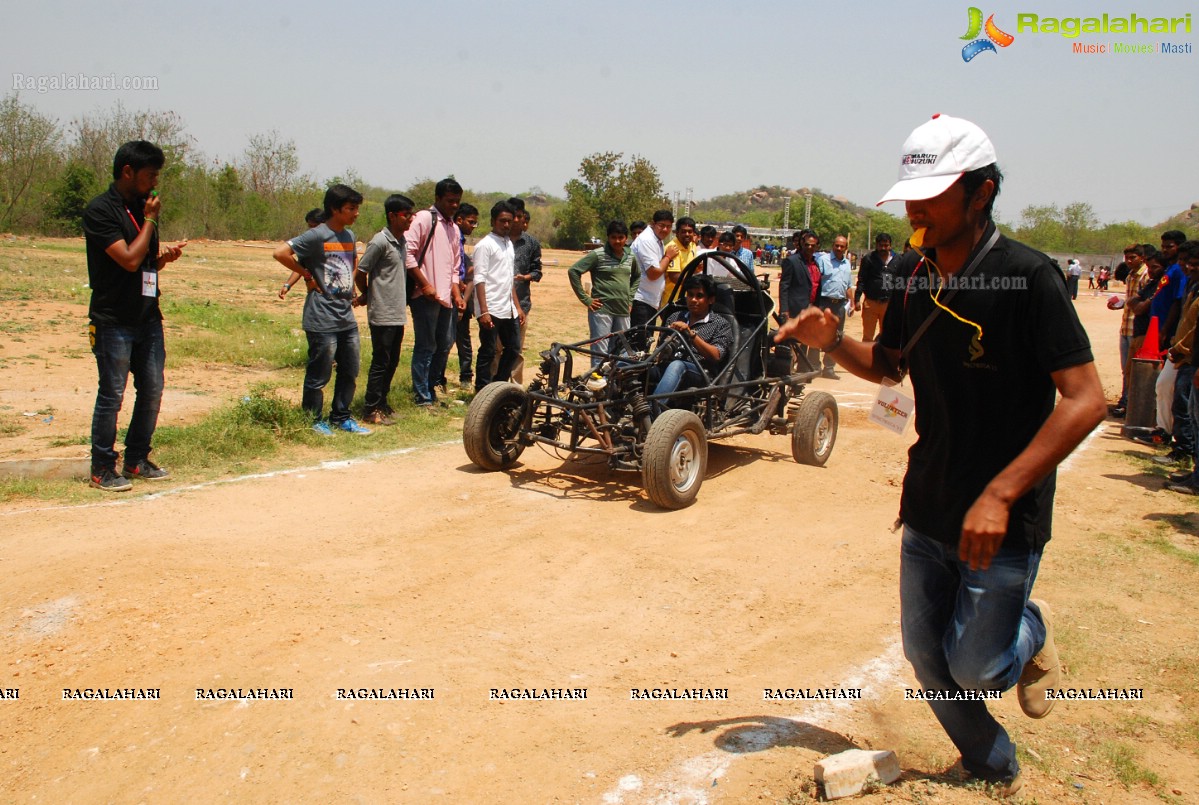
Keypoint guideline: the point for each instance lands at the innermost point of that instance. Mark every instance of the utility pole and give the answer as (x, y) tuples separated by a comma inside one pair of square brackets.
[(787, 213), (687, 207), (807, 210)]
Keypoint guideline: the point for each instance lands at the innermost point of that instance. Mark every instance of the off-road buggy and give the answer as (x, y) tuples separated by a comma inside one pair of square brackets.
[(612, 411)]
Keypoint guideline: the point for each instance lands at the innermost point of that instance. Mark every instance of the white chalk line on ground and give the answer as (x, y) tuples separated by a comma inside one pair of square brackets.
[(332, 464), (1068, 462), (692, 780)]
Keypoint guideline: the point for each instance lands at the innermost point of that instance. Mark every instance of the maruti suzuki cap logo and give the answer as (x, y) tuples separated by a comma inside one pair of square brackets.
[(919, 159), (978, 45)]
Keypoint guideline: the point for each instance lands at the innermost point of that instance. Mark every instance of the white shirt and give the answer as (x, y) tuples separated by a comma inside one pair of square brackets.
[(494, 258), (649, 253)]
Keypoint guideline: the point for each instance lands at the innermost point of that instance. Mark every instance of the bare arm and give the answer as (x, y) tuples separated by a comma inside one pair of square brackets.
[(1080, 410), (817, 328)]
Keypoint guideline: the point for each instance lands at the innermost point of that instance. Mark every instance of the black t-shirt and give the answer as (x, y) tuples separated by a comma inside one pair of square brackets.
[(116, 293), (979, 403)]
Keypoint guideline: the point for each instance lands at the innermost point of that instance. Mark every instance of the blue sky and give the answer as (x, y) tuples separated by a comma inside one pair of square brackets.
[(719, 96)]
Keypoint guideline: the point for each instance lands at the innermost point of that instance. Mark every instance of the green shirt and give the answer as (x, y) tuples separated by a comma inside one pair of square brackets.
[(613, 279)]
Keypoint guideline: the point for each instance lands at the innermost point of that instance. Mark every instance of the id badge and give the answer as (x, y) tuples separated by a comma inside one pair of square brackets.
[(150, 283), (892, 408)]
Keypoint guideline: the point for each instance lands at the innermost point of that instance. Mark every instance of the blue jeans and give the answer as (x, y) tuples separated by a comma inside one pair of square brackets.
[(120, 351), (434, 327), (676, 374), (600, 324), (1184, 433), (1195, 430), (324, 349), (969, 629)]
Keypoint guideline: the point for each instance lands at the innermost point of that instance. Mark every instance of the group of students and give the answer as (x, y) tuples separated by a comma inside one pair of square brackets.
[(1163, 286), (417, 261)]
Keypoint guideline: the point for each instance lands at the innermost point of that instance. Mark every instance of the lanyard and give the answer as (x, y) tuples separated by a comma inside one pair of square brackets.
[(136, 225)]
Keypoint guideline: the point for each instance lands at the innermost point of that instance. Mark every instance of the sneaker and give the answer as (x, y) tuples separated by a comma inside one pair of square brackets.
[(1155, 438), (1172, 458), (322, 427), (350, 426), (1183, 489), (1180, 476), (146, 470), (378, 418), (1007, 788), (107, 480), (1042, 672)]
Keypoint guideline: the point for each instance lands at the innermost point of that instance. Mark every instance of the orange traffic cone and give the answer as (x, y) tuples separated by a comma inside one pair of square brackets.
[(1149, 350)]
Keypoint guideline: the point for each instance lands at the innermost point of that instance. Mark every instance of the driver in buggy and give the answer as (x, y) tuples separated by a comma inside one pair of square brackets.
[(709, 333)]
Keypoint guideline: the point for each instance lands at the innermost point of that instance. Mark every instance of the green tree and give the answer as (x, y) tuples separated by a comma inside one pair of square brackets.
[(613, 189), (576, 224), (74, 189), (1078, 221), (29, 156)]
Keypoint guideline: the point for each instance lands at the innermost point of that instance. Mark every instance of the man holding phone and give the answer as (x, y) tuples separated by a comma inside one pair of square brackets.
[(124, 258)]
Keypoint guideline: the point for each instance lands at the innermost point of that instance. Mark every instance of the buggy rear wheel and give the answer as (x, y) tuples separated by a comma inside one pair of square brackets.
[(815, 430), (493, 422), (674, 459)]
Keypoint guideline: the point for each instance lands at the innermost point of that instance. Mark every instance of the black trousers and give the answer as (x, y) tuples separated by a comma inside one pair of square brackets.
[(508, 333), (385, 357)]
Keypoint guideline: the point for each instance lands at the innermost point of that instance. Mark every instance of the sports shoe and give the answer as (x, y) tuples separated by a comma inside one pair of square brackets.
[(350, 426), (1180, 476), (378, 418), (1155, 438), (106, 479), (322, 427), (1172, 458), (146, 470), (1042, 672), (1183, 489)]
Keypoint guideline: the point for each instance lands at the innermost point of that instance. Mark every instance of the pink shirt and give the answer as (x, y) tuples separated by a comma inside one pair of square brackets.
[(444, 254)]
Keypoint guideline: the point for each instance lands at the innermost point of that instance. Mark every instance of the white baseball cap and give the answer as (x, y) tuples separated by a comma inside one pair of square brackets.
[(936, 154)]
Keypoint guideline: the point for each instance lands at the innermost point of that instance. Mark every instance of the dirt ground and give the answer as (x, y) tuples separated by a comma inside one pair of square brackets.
[(416, 571)]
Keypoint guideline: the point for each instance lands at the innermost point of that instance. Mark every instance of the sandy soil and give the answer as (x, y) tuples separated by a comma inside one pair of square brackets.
[(416, 571)]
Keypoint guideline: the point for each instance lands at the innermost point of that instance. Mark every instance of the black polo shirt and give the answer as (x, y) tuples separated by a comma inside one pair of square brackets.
[(979, 403), (875, 280), (117, 293)]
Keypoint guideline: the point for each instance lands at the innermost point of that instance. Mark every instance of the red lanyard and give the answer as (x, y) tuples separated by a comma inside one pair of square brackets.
[(135, 223)]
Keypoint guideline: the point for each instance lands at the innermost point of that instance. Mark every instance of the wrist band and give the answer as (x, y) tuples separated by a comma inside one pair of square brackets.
[(836, 343), (152, 220)]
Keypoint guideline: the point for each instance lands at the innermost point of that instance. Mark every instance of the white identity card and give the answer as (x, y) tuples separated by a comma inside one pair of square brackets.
[(892, 408)]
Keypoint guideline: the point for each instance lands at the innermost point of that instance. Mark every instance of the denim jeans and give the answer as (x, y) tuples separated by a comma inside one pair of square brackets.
[(434, 327), (385, 357), (507, 331), (600, 324), (1125, 350), (324, 349), (462, 340), (120, 351), (676, 374), (969, 629), (1195, 430), (1184, 432)]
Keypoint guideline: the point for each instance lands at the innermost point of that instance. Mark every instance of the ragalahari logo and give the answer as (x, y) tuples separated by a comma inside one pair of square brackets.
[(994, 35)]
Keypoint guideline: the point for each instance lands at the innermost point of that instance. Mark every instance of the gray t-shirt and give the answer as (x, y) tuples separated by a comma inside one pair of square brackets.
[(387, 286), (329, 256)]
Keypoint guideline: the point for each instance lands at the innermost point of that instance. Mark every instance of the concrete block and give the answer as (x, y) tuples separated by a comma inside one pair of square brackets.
[(847, 773)]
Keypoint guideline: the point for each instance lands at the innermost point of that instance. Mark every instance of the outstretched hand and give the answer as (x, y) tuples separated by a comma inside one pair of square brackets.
[(813, 327)]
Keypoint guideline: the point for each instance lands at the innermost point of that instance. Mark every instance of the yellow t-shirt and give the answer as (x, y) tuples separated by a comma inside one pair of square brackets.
[(675, 267)]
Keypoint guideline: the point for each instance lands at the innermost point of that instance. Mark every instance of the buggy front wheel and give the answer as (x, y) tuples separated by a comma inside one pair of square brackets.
[(492, 425), (674, 459), (815, 430)]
